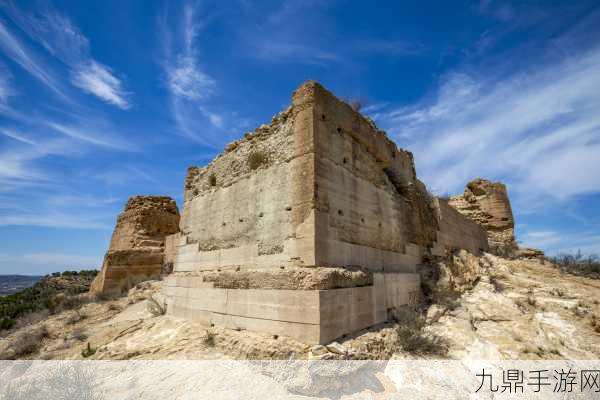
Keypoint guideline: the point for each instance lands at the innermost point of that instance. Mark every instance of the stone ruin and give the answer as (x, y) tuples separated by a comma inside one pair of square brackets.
[(314, 226), (137, 246), (487, 204)]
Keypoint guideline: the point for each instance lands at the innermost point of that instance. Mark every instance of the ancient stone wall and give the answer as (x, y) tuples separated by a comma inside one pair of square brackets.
[(370, 208), (272, 228), (247, 207), (136, 249), (457, 232), (487, 204)]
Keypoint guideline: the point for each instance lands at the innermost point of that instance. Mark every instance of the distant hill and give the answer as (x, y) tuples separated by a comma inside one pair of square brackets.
[(27, 294), (10, 284)]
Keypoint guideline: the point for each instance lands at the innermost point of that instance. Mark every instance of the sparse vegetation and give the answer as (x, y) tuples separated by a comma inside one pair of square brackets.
[(79, 334), (578, 264), (155, 308), (75, 317), (26, 343), (411, 335), (108, 295), (54, 293), (88, 351), (210, 339), (212, 180), (256, 159), (446, 297)]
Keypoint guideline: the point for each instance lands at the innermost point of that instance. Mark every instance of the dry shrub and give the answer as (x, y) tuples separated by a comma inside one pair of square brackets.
[(108, 295), (256, 159), (79, 334), (155, 308), (446, 297), (212, 180), (75, 317), (210, 339), (411, 336), (25, 343)]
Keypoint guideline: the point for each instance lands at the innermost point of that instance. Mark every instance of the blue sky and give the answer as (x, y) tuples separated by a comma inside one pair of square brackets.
[(103, 100)]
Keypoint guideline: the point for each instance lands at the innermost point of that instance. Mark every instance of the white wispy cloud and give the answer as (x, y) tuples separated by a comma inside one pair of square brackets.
[(16, 51), (16, 136), (306, 32), (190, 87), (17, 163), (538, 129), (65, 41), (6, 86), (186, 80), (85, 135), (588, 242), (99, 80)]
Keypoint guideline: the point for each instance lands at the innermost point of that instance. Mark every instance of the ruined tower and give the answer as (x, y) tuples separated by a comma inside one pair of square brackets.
[(487, 204), (313, 227), (137, 246)]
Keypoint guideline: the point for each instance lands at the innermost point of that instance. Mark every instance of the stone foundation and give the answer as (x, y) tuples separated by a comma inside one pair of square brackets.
[(310, 316)]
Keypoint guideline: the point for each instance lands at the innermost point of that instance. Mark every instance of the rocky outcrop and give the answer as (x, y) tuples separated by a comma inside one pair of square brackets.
[(137, 246), (487, 204)]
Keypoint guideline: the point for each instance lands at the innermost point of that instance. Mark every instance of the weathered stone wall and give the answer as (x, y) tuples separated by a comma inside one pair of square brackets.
[(457, 232), (248, 207), (487, 204), (136, 249), (370, 208), (269, 226)]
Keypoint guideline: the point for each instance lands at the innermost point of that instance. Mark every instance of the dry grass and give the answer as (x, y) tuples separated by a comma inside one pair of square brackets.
[(26, 343)]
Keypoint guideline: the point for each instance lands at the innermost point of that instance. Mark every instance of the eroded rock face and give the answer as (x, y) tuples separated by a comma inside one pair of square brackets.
[(136, 249), (487, 204)]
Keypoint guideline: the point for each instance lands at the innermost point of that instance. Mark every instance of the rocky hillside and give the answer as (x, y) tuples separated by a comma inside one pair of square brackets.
[(488, 307), (51, 294)]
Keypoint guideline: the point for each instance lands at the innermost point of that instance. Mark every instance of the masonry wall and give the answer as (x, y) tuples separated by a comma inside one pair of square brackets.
[(319, 187), (137, 246), (487, 204), (369, 208), (458, 232), (252, 206)]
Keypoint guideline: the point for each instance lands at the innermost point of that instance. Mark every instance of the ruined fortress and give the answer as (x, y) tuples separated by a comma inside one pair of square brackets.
[(313, 226)]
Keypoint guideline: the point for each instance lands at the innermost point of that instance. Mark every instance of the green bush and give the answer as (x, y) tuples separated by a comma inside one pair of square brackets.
[(44, 295), (6, 323), (256, 159)]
